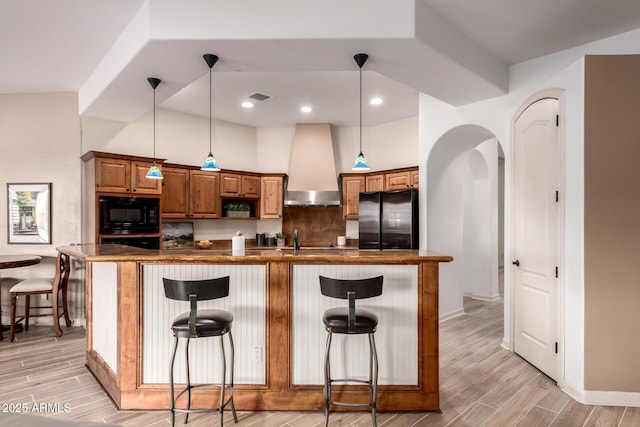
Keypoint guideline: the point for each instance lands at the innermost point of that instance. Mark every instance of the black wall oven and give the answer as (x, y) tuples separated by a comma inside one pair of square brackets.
[(144, 242), (128, 215)]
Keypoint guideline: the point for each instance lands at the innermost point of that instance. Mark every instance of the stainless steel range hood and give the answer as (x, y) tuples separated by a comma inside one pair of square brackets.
[(313, 180)]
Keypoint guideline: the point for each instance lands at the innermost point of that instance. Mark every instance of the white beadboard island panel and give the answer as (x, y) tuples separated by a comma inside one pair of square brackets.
[(247, 302), (104, 305), (396, 336)]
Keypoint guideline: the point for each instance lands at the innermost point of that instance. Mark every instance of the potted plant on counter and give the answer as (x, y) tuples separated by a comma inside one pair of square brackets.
[(238, 210), (280, 239)]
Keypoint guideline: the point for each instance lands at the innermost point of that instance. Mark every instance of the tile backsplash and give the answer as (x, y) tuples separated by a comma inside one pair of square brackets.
[(317, 225)]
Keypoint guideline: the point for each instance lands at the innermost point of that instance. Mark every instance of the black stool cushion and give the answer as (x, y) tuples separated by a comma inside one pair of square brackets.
[(336, 320), (209, 323)]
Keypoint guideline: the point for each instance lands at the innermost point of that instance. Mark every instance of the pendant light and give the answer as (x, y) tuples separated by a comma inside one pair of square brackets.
[(210, 163), (360, 163), (154, 171)]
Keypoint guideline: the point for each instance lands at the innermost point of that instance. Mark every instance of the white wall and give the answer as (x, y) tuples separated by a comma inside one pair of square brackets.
[(564, 70), (386, 146), (462, 214), (180, 138), (503, 109), (40, 142), (184, 139)]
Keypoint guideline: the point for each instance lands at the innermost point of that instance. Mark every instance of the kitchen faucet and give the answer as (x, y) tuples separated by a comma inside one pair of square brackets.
[(296, 242)]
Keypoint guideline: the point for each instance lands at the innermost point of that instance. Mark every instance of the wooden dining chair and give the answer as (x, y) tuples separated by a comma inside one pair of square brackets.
[(38, 286)]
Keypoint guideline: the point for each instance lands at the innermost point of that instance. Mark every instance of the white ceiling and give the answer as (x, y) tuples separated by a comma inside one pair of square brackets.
[(459, 52)]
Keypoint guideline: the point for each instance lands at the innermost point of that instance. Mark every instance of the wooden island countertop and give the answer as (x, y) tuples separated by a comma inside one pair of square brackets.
[(278, 329), (118, 253)]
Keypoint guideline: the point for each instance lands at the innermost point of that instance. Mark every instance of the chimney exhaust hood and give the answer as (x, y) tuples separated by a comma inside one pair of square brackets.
[(312, 180)]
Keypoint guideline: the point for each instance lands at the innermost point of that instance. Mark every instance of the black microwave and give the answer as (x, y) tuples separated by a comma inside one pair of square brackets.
[(129, 215)]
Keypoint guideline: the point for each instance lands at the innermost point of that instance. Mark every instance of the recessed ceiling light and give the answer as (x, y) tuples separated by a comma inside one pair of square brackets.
[(375, 101), (306, 109), (247, 104)]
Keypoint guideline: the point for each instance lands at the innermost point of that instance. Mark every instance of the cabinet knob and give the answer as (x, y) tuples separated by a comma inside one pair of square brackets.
[(516, 263)]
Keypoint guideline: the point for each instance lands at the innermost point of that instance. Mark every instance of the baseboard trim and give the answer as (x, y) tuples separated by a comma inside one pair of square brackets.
[(612, 398), (506, 344), (602, 398), (574, 393), (452, 314), (481, 297)]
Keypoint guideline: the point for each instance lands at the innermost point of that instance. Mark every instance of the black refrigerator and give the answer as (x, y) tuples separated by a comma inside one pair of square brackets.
[(388, 220)]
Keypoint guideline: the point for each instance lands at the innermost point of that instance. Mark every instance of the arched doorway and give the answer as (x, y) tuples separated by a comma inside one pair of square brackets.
[(463, 216)]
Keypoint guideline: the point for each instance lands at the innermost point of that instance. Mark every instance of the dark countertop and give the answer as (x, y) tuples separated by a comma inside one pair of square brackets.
[(120, 253)]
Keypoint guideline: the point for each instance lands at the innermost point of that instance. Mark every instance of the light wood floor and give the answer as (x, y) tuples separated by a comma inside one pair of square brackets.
[(481, 385)]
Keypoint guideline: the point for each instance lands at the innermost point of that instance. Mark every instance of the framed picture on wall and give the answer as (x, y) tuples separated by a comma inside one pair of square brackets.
[(177, 235), (29, 216)]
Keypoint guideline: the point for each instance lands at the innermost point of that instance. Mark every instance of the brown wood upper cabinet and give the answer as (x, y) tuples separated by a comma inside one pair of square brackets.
[(414, 178), (239, 185), (175, 192), (272, 193), (118, 175), (374, 182), (401, 180), (352, 185), (204, 195)]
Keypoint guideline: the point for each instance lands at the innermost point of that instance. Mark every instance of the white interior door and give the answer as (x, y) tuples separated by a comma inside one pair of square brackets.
[(536, 235)]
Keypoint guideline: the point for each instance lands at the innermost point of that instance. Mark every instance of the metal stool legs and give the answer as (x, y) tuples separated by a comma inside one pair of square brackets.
[(223, 385), (372, 383)]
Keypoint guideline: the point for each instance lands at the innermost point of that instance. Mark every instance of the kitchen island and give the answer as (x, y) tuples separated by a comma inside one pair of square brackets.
[(278, 331)]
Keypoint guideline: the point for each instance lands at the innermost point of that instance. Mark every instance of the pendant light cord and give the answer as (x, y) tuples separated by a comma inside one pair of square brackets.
[(210, 111), (154, 124), (360, 110)]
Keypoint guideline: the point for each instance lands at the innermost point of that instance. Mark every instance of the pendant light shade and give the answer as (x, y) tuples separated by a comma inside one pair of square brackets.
[(154, 171), (361, 162), (210, 163)]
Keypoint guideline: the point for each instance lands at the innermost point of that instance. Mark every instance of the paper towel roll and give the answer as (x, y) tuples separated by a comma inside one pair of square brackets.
[(237, 245)]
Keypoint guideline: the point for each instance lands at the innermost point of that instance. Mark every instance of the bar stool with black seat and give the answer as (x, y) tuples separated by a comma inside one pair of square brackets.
[(201, 324), (352, 321), (40, 286)]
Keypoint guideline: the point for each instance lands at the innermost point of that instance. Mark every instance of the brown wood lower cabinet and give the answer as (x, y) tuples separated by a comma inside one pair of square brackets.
[(277, 329)]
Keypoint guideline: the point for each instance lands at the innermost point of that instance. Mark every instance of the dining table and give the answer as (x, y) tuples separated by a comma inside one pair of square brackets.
[(15, 261)]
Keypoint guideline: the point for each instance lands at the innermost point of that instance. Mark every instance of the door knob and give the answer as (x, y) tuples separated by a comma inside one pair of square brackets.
[(516, 263)]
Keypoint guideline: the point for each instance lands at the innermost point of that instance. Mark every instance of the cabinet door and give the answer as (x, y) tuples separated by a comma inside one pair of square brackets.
[(175, 193), (204, 194), (374, 182), (351, 188), (230, 184), (238, 185), (250, 186), (272, 197), (113, 175), (414, 179), (397, 181), (140, 184)]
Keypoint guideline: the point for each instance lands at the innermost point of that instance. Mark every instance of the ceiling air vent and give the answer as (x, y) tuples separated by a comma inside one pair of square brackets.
[(259, 97)]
